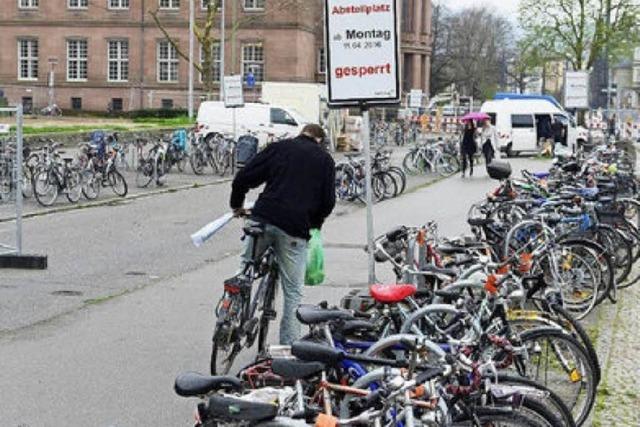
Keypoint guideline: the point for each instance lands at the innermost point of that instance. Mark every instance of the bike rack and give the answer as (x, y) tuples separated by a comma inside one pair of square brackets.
[(11, 255)]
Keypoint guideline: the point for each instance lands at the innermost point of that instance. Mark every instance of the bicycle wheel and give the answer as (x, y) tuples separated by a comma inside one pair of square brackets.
[(401, 180), (182, 162), (559, 362), (144, 174), (27, 182), (268, 313), (198, 161), (447, 165), (73, 188), (46, 187), (412, 163), (619, 249), (118, 183), (225, 348), (91, 185), (383, 186), (503, 417)]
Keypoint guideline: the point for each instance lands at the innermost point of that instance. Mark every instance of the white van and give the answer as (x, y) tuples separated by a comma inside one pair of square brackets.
[(517, 123), (264, 119)]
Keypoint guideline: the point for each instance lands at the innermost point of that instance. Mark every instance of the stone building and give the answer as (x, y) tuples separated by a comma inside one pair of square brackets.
[(97, 55)]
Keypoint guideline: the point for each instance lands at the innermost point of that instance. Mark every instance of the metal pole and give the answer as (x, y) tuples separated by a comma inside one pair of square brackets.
[(366, 143), (235, 130), (19, 179), (222, 49), (609, 74), (192, 18)]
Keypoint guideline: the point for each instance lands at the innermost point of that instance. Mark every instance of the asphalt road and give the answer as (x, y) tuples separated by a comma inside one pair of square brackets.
[(147, 299)]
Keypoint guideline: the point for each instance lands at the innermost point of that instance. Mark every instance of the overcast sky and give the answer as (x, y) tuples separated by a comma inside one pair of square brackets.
[(508, 8)]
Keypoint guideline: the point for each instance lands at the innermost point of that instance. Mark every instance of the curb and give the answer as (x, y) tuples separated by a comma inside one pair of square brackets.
[(115, 201)]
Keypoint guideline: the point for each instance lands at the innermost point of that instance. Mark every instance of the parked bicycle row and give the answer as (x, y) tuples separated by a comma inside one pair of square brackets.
[(480, 330)]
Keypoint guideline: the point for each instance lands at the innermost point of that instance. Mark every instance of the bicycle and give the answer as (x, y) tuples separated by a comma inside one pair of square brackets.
[(243, 314)]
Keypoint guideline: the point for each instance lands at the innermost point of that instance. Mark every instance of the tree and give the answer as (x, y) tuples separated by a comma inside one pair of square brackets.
[(579, 31), (204, 31), (469, 50)]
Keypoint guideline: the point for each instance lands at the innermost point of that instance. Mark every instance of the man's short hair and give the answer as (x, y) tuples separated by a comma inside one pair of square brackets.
[(314, 131)]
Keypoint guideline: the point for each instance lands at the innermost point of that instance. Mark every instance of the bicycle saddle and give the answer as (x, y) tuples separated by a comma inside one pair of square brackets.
[(311, 314), (192, 384), (254, 230), (234, 409), (448, 295), (390, 294), (480, 222), (296, 369), (429, 268), (317, 352)]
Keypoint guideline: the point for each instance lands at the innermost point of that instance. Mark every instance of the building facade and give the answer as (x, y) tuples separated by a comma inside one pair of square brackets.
[(100, 55)]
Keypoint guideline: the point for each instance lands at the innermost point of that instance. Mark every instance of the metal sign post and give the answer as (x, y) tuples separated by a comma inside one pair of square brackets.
[(362, 46), (233, 97)]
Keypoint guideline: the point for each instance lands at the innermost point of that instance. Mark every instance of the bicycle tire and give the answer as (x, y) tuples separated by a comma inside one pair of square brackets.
[(73, 187), (46, 176), (267, 309), (118, 183), (91, 185), (401, 178), (576, 375), (144, 174), (553, 402), (505, 416), (197, 161)]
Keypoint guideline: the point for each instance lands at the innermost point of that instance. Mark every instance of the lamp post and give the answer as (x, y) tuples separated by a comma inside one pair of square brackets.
[(191, 42)]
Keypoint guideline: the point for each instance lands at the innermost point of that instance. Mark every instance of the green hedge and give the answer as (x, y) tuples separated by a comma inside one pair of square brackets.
[(158, 113)]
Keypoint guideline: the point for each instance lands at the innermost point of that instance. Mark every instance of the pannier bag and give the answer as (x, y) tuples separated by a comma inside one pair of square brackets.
[(246, 149), (499, 170)]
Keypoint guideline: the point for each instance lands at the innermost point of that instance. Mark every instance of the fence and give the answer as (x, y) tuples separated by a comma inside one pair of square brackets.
[(11, 179)]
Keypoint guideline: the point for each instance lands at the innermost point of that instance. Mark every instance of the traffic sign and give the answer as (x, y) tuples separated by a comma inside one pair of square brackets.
[(576, 89), (4, 128), (362, 52), (251, 80), (233, 96), (415, 98)]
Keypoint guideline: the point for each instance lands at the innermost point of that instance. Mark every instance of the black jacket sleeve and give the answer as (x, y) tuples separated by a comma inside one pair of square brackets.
[(254, 174), (328, 194)]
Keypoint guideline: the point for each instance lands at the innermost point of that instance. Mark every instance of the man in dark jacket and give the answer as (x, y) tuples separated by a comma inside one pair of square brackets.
[(299, 194)]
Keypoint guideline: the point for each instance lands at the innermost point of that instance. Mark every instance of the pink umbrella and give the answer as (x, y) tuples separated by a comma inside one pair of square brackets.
[(475, 116)]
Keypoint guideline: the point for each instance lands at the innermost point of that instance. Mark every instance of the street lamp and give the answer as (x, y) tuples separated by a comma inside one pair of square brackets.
[(222, 49), (191, 42)]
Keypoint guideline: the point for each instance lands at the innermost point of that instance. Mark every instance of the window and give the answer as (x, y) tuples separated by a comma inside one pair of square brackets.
[(254, 4), (76, 103), (77, 60), (522, 121), (116, 104), (78, 4), (118, 4), (27, 104), (493, 118), (205, 3), (118, 59), (281, 117), (253, 61), (169, 4), (28, 4), (167, 104), (28, 59), (215, 62), (167, 62), (322, 61)]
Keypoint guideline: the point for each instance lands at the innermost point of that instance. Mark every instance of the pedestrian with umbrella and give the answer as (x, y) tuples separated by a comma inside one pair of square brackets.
[(468, 146)]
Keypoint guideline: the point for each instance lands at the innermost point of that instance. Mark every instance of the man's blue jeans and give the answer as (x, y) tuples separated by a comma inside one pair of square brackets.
[(291, 256)]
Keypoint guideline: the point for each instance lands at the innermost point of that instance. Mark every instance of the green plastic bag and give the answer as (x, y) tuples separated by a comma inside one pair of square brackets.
[(315, 260)]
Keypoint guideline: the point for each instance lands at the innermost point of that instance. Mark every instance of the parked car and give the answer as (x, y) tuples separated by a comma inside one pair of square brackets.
[(516, 124), (262, 119)]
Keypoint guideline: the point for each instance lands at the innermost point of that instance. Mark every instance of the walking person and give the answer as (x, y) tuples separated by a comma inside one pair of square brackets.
[(299, 194), (468, 147), (489, 140)]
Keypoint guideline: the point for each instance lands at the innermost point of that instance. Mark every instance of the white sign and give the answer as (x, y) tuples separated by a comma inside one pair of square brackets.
[(415, 98), (4, 128), (576, 89), (362, 52), (233, 96)]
